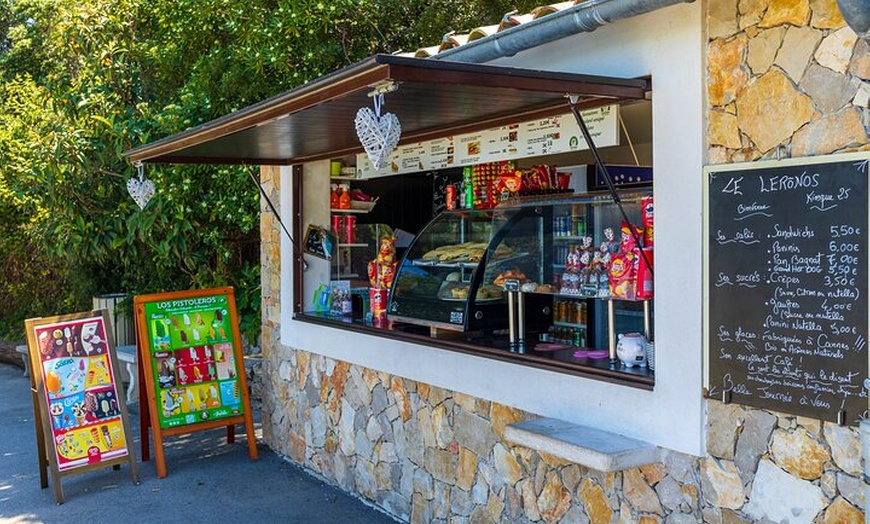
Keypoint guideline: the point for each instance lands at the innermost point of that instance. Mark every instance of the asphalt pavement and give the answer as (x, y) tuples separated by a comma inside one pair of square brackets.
[(208, 480)]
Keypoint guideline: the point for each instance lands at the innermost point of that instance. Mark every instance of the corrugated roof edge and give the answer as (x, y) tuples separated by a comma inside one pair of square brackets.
[(544, 24)]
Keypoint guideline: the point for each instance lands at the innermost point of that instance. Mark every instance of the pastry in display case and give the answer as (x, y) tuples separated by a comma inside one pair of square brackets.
[(579, 268), (452, 276)]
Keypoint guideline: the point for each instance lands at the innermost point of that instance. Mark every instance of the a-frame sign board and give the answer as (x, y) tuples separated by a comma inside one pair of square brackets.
[(79, 406), (190, 358)]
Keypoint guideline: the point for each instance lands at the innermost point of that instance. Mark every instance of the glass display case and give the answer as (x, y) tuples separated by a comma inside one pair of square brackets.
[(584, 275), (452, 276)]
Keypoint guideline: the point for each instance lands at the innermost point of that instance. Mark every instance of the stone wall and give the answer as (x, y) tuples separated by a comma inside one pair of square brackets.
[(428, 455), (785, 77)]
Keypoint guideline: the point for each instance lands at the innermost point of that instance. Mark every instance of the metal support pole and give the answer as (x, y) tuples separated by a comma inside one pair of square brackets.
[(521, 322), (647, 331), (512, 320), (611, 334)]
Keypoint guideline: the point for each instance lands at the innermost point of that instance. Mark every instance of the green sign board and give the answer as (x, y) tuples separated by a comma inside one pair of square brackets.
[(193, 360)]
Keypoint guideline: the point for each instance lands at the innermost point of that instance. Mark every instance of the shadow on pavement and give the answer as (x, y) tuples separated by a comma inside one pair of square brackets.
[(208, 480)]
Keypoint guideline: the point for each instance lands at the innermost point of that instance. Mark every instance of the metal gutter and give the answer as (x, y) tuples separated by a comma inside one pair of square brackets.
[(585, 17)]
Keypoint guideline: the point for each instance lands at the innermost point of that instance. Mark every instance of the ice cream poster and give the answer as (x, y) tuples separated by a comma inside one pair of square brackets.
[(193, 360), (83, 404)]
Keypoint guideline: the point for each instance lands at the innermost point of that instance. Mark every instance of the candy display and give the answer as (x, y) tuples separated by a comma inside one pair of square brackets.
[(486, 185), (616, 269)]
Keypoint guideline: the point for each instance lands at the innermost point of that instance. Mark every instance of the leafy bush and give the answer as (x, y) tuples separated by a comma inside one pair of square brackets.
[(83, 81)]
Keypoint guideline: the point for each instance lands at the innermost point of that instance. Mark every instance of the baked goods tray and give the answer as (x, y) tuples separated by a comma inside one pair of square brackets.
[(466, 264), (476, 301)]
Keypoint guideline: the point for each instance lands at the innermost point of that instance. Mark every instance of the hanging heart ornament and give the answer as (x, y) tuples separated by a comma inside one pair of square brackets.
[(141, 190), (378, 134)]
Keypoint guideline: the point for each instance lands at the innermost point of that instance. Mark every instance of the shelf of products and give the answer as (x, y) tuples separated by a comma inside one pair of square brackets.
[(580, 277), (346, 203)]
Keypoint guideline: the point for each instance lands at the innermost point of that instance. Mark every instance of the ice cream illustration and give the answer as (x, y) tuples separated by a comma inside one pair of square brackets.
[(79, 413)]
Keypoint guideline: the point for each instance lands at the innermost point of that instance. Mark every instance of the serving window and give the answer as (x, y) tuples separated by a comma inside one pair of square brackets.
[(557, 276)]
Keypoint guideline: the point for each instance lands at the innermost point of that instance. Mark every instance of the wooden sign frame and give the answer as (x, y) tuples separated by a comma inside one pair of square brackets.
[(192, 380), (77, 347)]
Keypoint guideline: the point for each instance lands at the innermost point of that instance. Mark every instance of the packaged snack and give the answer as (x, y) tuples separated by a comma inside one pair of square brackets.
[(646, 212), (627, 240), (509, 183), (644, 284), (623, 276)]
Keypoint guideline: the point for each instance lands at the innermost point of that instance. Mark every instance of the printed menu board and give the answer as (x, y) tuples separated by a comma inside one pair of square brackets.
[(557, 134), (84, 408), (78, 403), (193, 360), (194, 378), (787, 285)]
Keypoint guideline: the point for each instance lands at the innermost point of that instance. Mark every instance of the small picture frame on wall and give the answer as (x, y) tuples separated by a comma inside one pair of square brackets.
[(320, 242)]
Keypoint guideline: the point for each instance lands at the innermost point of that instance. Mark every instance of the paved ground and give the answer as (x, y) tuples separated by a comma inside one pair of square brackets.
[(208, 481)]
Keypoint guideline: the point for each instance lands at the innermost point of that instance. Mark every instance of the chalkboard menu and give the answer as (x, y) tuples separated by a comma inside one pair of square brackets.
[(787, 285)]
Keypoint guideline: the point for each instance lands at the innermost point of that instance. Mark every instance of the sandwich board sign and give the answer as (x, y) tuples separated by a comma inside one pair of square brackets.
[(78, 402), (190, 350)]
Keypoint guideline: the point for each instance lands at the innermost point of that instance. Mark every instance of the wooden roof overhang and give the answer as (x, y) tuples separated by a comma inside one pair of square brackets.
[(433, 99)]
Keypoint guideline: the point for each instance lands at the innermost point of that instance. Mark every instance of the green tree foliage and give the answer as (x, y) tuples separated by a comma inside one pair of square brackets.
[(83, 81)]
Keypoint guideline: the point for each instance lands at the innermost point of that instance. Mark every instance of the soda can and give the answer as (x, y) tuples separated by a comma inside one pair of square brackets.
[(336, 224), (451, 196), (349, 229)]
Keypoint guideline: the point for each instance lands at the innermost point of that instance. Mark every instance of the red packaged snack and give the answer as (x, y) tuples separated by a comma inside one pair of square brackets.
[(623, 276), (509, 181), (627, 240), (646, 213), (644, 284)]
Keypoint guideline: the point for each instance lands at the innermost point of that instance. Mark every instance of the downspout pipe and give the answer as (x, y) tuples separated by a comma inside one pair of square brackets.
[(583, 17), (857, 15)]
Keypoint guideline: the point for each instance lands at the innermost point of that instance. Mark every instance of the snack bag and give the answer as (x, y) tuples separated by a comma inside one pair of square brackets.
[(627, 241), (382, 270), (623, 276), (644, 282), (646, 210), (508, 183)]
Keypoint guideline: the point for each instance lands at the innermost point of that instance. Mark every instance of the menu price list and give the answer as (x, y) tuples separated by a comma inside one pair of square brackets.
[(80, 392), (193, 361), (787, 288)]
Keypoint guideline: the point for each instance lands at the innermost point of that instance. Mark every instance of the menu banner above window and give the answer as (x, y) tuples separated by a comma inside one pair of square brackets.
[(547, 136)]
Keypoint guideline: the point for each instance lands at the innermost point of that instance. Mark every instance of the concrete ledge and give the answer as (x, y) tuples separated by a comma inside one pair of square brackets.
[(590, 447)]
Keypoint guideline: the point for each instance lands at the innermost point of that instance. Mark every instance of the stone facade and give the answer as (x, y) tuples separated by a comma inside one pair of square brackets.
[(425, 454), (785, 77)]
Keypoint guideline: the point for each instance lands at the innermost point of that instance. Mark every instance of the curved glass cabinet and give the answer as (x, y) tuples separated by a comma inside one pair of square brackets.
[(452, 275)]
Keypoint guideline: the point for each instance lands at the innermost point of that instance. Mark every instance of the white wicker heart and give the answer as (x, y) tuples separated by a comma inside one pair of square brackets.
[(141, 190), (378, 135)]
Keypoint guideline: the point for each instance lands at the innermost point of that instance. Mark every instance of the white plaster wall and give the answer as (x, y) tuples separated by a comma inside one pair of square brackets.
[(667, 45)]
